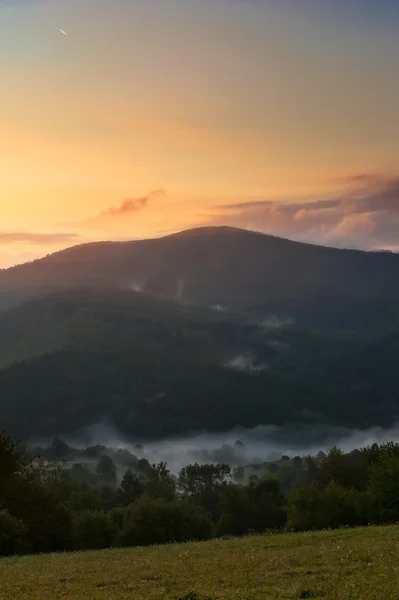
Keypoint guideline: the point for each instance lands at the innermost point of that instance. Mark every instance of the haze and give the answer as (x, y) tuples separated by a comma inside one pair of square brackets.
[(154, 116), (263, 443)]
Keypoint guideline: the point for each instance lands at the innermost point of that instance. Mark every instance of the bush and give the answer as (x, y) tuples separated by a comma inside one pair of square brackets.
[(93, 530), (315, 507), (13, 538), (150, 521), (383, 490)]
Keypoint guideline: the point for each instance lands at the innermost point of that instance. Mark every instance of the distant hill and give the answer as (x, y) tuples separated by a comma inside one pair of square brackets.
[(157, 367), (212, 265), (204, 330)]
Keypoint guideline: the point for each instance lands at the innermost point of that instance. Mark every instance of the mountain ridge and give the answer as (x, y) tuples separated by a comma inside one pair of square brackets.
[(209, 265)]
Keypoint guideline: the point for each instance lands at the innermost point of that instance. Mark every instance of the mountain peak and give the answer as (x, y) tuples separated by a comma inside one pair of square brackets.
[(211, 231)]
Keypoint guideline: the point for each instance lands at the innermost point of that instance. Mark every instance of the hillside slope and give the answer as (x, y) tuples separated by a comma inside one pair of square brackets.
[(212, 265), (335, 565), (235, 328), (156, 367)]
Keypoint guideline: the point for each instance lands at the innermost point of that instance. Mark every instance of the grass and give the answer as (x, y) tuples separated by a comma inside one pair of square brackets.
[(351, 564)]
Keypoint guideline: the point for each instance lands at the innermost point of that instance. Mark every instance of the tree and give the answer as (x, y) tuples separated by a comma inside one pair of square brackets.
[(80, 474), (13, 457), (236, 511), (60, 449), (150, 521), (202, 484), (313, 506), (239, 474), (196, 479), (160, 484), (13, 535), (130, 489), (106, 470), (255, 507), (239, 446), (349, 470), (93, 530), (383, 490), (268, 505)]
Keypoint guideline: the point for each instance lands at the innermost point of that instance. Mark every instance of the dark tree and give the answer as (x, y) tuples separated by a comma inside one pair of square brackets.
[(130, 489), (61, 450), (160, 484), (202, 484), (106, 470), (238, 474)]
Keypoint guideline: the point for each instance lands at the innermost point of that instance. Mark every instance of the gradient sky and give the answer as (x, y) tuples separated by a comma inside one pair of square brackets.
[(152, 116)]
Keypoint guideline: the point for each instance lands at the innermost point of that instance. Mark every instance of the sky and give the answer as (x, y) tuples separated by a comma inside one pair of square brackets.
[(153, 116)]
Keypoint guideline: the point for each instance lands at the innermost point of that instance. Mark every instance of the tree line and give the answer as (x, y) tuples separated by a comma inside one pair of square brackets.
[(62, 510)]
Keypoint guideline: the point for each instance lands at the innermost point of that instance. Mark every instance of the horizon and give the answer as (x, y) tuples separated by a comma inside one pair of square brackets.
[(285, 122)]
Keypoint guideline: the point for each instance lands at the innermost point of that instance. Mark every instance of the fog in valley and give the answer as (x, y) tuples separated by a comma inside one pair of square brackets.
[(239, 447)]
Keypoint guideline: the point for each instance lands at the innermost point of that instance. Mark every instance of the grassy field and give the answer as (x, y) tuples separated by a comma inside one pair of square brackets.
[(353, 564)]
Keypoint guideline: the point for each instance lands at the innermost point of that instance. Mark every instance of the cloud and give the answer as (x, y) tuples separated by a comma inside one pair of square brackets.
[(365, 214), (126, 208), (129, 205), (21, 237)]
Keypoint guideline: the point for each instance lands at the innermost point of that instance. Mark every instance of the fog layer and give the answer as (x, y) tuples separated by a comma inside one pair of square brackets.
[(238, 447)]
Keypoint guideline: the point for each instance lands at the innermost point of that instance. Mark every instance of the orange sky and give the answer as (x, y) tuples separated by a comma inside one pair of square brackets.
[(215, 102)]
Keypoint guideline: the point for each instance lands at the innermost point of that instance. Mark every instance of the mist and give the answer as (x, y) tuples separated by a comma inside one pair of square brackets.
[(273, 323), (218, 308), (238, 447), (137, 286), (180, 289), (245, 363)]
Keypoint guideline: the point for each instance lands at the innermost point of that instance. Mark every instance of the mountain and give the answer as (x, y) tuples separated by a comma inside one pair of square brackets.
[(230, 328), (215, 265), (156, 367)]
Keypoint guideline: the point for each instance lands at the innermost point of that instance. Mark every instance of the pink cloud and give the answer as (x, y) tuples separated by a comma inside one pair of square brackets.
[(364, 215)]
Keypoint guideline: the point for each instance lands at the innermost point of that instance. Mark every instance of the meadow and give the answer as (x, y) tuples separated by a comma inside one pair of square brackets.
[(348, 564)]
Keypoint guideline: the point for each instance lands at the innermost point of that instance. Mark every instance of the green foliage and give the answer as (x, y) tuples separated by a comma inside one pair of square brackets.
[(196, 480), (383, 490), (160, 484), (256, 507), (150, 521), (106, 470), (12, 457), (47, 511), (203, 484), (92, 354), (13, 535), (93, 530), (60, 449), (238, 474), (314, 506), (130, 489)]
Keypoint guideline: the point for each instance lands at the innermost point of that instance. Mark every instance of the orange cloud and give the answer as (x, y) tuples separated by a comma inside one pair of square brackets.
[(364, 215), (130, 205)]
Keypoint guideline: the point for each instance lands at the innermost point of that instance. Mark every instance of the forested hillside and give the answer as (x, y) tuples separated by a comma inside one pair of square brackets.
[(159, 367), (222, 265)]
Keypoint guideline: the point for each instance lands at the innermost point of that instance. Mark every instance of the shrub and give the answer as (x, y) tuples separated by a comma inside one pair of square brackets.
[(93, 530), (12, 535), (150, 521), (315, 507)]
